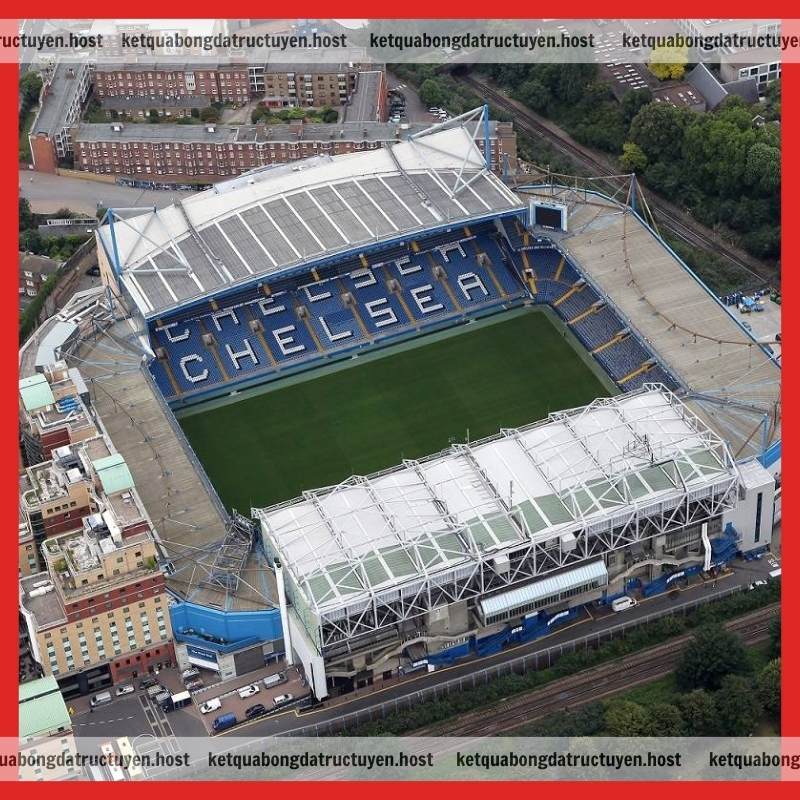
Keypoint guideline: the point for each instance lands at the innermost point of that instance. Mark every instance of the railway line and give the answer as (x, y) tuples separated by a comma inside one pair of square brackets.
[(589, 685), (593, 684), (672, 219)]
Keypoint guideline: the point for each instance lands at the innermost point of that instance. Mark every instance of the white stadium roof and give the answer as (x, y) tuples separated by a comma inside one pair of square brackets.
[(274, 219), (592, 466)]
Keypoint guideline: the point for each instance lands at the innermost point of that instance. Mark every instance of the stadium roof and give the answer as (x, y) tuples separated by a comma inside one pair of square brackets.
[(293, 216), (730, 379), (589, 466)]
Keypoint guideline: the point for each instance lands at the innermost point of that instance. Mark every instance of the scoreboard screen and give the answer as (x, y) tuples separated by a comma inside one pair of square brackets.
[(546, 215)]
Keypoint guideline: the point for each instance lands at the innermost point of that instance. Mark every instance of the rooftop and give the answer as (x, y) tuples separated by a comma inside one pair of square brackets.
[(731, 380), (275, 219), (588, 466), (41, 709), (363, 105), (65, 87)]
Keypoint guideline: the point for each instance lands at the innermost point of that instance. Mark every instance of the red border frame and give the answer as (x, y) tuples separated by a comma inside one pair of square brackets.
[(422, 10)]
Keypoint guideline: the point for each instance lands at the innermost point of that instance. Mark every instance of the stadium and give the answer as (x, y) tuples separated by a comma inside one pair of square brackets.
[(506, 404)]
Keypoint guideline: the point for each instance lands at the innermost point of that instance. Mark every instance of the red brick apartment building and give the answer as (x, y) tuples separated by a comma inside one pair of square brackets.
[(202, 154)]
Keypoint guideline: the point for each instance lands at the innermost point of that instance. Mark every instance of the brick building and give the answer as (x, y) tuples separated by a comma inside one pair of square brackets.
[(206, 153)]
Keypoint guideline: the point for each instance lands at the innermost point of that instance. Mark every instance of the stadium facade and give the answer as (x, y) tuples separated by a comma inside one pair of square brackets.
[(487, 543)]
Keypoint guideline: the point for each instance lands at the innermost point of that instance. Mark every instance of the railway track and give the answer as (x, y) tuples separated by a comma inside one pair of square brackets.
[(668, 215), (593, 684)]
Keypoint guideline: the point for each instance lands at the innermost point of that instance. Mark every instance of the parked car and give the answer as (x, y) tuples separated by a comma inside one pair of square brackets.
[(255, 711), (126, 688), (756, 584), (211, 705), (249, 691), (194, 685), (148, 682), (282, 699), (622, 603)]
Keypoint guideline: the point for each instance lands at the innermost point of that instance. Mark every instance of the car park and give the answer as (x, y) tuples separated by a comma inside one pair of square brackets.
[(126, 688), (210, 705), (249, 691), (255, 711), (282, 699)]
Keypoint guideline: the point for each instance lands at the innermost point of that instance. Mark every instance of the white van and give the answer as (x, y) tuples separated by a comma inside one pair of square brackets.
[(102, 699), (211, 705), (622, 603)]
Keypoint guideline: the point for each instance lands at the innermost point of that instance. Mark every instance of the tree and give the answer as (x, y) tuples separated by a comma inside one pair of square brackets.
[(666, 720), (698, 713), (430, 93), (714, 654), (153, 115), (669, 62), (31, 242), (27, 219), (768, 688), (775, 636), (257, 114), (195, 112), (209, 113), (633, 101), (738, 707), (763, 168), (30, 87), (626, 718), (633, 158), (658, 129)]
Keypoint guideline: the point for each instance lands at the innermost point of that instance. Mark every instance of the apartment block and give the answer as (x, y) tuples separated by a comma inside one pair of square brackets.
[(206, 153), (147, 78), (64, 94)]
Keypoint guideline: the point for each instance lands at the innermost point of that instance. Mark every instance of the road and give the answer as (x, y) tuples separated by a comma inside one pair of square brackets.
[(48, 193)]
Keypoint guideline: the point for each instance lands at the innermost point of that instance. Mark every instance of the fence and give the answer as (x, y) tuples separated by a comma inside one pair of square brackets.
[(533, 662)]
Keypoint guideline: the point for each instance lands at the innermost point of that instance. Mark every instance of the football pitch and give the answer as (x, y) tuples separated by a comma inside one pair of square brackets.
[(406, 402)]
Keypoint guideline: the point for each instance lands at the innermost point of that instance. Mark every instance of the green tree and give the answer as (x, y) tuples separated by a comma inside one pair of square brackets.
[(430, 93), (738, 707), (30, 86), (195, 112), (152, 115), (626, 718), (633, 158), (775, 636), (768, 688), (666, 720), (209, 113), (257, 114), (633, 101), (669, 62), (763, 168), (30, 241), (27, 219), (658, 128), (714, 653), (698, 713)]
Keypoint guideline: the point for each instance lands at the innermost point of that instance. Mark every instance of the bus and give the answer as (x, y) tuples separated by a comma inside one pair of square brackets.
[(112, 761), (130, 759), (176, 701)]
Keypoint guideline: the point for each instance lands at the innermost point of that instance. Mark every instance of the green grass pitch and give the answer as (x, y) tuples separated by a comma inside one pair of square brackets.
[(406, 404)]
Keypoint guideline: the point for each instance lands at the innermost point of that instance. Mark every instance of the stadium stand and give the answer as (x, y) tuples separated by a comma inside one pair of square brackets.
[(358, 300)]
